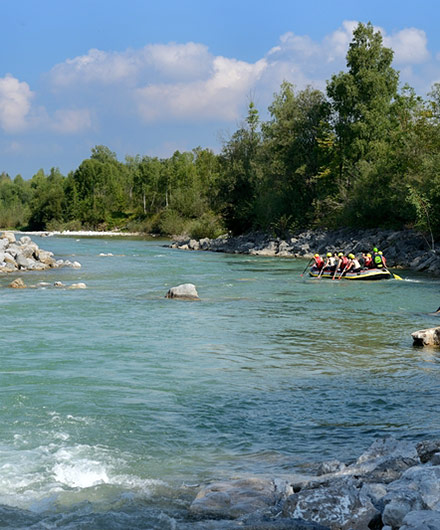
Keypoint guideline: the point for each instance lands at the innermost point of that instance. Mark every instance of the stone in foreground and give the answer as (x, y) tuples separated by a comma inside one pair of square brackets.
[(236, 498), (426, 337), (185, 291)]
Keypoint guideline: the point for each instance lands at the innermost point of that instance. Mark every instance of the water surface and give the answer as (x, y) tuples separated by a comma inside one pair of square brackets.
[(116, 402)]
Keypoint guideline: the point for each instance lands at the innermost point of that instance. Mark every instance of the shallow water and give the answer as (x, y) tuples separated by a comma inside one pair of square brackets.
[(116, 402)]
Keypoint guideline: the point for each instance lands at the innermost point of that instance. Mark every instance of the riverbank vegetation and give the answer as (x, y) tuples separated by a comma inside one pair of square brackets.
[(364, 153)]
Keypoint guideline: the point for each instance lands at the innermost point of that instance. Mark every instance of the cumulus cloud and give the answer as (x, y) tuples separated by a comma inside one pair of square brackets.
[(158, 61), (187, 82), (68, 121), (409, 45), (217, 97), (15, 104)]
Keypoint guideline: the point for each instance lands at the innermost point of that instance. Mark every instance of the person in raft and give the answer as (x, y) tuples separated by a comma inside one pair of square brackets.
[(342, 262), (319, 262), (368, 260), (353, 264), (378, 259), (330, 262)]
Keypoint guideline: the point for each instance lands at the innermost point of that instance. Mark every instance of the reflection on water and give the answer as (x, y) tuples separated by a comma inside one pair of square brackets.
[(114, 398)]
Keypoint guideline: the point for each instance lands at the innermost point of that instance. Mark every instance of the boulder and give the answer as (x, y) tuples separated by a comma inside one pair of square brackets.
[(236, 498), (426, 337), (417, 489), (78, 286), (418, 519), (9, 236), (18, 283), (338, 506), (185, 291)]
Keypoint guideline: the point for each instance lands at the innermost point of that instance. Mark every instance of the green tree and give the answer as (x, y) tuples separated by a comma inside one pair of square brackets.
[(361, 100)]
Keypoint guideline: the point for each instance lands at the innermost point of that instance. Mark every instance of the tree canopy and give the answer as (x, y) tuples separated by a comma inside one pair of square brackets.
[(365, 153)]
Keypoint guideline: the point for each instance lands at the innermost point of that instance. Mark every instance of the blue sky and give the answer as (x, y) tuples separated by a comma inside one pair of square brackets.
[(148, 77)]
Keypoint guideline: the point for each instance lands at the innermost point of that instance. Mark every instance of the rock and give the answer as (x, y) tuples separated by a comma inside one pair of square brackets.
[(338, 506), (235, 499), (427, 449), (9, 236), (417, 489), (426, 337), (76, 265), (185, 291), (22, 262), (18, 283), (59, 284), (78, 286), (421, 520), (25, 240)]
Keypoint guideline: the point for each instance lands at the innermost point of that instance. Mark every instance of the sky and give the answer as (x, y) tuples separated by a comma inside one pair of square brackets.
[(147, 77)]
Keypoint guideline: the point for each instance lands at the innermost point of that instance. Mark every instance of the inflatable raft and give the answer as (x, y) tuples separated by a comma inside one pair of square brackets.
[(365, 274)]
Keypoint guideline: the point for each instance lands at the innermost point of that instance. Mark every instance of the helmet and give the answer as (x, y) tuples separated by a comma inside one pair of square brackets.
[(329, 254), (351, 256), (368, 255), (316, 256), (380, 252), (375, 249), (340, 254)]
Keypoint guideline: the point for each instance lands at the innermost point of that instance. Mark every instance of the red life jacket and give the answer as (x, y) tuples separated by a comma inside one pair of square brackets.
[(319, 262)]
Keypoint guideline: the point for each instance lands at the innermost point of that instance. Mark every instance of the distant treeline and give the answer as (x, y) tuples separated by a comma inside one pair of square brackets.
[(366, 153)]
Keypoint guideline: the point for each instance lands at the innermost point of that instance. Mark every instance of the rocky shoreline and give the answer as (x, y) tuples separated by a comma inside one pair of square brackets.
[(403, 249), (393, 485), (25, 255)]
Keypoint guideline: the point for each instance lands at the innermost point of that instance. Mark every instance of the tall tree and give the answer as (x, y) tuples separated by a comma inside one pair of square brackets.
[(361, 100)]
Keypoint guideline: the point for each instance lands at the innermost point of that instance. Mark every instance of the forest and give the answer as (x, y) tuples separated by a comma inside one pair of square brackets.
[(364, 153)]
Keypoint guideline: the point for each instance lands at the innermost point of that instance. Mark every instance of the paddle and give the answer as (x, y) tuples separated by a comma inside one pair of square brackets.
[(308, 265), (395, 276), (342, 273), (336, 269), (320, 272)]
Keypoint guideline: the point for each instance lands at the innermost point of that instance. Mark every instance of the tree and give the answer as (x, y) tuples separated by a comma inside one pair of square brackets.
[(239, 182), (361, 100), (293, 156)]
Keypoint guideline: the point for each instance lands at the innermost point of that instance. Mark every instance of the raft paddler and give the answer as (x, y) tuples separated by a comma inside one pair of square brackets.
[(329, 265), (341, 264), (319, 262), (353, 264), (377, 258)]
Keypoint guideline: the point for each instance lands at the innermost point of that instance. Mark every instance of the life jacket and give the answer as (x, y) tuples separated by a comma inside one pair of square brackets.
[(377, 260), (368, 263), (319, 262), (344, 262)]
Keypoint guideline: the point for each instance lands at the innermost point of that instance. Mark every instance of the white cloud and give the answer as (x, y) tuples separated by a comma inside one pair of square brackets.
[(69, 121), (154, 61), (15, 104), (409, 45), (218, 97)]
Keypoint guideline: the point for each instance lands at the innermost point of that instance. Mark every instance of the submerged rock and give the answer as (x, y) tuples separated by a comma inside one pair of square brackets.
[(185, 291), (387, 485), (18, 283), (427, 337)]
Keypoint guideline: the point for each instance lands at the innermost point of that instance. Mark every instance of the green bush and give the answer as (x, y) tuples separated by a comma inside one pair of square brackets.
[(209, 225)]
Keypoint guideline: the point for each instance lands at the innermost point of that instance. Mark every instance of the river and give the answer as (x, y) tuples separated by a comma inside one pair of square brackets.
[(116, 402)]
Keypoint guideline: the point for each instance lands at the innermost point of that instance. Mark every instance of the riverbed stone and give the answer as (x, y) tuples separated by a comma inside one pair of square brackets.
[(338, 506), (236, 498), (185, 291), (79, 285), (18, 283), (10, 236), (421, 520), (426, 337)]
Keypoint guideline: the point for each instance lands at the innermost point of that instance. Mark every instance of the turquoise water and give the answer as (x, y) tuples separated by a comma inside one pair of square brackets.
[(116, 402)]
